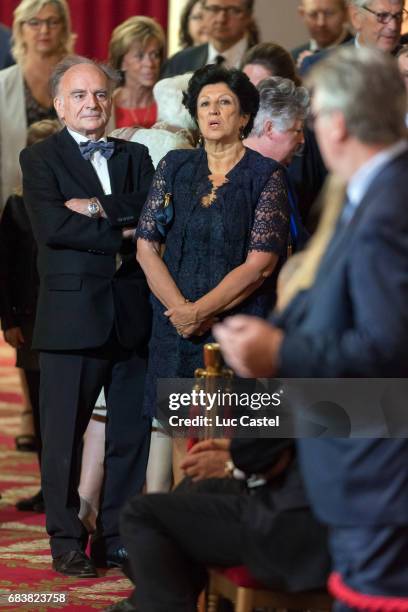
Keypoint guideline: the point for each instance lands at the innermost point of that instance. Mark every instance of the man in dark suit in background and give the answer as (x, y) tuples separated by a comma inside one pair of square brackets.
[(84, 194), (226, 22), (377, 24), (6, 59), (352, 322), (327, 23)]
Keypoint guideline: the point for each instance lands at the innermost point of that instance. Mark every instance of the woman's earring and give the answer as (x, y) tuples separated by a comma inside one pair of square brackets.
[(241, 132), (200, 140)]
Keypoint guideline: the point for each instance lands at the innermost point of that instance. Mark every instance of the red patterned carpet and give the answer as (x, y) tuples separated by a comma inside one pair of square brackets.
[(24, 554)]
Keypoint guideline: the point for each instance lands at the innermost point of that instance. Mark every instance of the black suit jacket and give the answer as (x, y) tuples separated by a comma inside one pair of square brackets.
[(82, 296), (306, 47), (6, 59), (280, 536), (18, 271), (187, 60), (353, 322)]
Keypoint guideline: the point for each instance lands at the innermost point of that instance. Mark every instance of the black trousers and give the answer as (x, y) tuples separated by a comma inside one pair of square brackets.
[(70, 385), (33, 384), (171, 538)]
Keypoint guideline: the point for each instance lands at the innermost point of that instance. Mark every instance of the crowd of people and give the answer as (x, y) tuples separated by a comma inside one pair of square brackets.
[(235, 192)]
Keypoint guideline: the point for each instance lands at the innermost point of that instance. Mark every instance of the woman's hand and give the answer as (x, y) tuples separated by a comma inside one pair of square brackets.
[(183, 315)]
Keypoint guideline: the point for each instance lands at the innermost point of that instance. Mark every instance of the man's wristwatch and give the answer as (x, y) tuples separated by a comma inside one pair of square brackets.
[(94, 208)]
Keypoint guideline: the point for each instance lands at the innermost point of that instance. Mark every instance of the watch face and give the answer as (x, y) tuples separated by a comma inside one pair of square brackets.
[(93, 209)]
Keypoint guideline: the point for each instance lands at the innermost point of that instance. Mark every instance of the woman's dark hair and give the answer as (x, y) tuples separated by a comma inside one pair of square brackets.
[(185, 39), (236, 80), (274, 58)]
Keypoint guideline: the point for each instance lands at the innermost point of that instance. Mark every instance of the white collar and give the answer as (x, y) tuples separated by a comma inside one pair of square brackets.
[(233, 56), (81, 138)]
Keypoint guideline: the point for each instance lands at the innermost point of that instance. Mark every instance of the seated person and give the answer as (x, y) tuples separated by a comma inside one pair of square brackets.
[(172, 538)]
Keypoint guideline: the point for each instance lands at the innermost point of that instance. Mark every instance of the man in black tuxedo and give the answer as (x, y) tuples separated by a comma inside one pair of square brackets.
[(351, 323), (84, 194), (227, 23)]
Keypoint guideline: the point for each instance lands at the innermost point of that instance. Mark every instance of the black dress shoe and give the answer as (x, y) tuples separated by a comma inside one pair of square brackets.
[(75, 563), (116, 558), (32, 504), (123, 606)]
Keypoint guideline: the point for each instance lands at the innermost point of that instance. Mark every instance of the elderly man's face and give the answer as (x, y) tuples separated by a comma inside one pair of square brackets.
[(325, 19), (83, 101), (368, 22), (226, 21)]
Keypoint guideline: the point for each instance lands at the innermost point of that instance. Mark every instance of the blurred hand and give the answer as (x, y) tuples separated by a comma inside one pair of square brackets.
[(14, 337), (202, 464), (249, 345)]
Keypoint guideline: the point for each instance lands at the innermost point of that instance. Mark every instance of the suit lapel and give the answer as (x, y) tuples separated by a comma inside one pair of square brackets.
[(201, 55), (75, 164), (118, 166)]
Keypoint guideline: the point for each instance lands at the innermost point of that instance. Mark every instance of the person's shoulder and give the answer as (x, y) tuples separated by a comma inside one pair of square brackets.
[(188, 53), (298, 50), (262, 163), (11, 73), (42, 149), (185, 60), (182, 155), (130, 146)]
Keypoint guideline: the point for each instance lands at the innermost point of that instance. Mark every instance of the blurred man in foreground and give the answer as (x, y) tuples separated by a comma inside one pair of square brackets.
[(351, 322)]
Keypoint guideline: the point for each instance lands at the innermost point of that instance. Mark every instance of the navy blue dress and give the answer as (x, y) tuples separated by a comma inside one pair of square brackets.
[(203, 244)]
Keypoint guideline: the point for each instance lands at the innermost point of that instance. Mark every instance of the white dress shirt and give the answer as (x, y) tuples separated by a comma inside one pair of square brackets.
[(99, 162), (233, 56)]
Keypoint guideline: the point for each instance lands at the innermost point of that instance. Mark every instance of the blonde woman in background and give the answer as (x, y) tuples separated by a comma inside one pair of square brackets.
[(136, 49), (41, 37)]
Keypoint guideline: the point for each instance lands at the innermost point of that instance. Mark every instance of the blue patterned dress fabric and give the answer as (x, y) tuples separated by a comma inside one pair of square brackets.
[(203, 244)]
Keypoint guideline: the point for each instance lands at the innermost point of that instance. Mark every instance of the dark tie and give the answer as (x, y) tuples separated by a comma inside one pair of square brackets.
[(220, 59), (89, 147)]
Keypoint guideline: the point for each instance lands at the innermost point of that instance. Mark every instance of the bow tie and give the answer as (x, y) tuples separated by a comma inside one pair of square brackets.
[(89, 147)]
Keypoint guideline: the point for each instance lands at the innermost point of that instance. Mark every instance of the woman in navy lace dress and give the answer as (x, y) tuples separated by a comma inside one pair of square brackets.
[(225, 229)]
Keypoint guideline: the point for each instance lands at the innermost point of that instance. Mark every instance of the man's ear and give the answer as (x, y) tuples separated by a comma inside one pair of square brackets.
[(355, 17), (338, 131), (268, 128), (59, 107), (301, 10)]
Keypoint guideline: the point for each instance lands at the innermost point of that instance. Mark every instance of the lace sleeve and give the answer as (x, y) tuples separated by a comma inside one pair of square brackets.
[(271, 223), (147, 227)]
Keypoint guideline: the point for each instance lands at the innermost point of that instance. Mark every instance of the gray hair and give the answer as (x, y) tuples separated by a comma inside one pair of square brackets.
[(363, 3), (365, 86), (280, 102), (75, 60)]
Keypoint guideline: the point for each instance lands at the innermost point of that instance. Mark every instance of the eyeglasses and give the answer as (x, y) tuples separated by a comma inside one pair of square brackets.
[(231, 11), (51, 22), (385, 17)]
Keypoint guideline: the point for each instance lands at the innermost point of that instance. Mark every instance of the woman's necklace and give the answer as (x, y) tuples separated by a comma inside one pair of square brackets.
[(217, 180)]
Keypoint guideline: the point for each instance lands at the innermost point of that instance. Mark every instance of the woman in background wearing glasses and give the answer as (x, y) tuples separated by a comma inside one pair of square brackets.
[(41, 37)]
